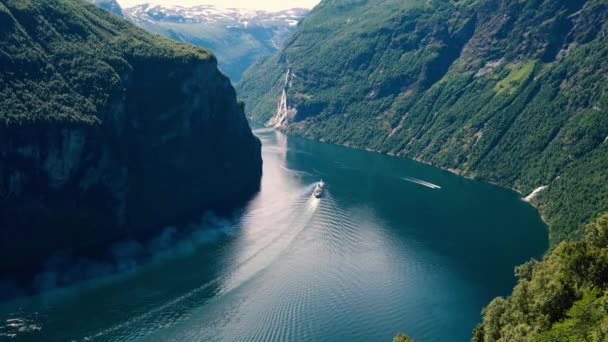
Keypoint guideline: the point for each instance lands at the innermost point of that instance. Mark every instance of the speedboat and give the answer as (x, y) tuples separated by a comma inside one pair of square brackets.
[(319, 189)]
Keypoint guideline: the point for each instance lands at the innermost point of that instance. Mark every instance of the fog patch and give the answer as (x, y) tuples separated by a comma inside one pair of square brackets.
[(65, 271)]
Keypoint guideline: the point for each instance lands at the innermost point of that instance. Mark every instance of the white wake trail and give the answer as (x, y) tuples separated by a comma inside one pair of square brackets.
[(421, 182)]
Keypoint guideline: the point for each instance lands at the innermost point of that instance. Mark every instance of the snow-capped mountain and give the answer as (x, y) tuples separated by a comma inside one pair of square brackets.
[(214, 14), (238, 37)]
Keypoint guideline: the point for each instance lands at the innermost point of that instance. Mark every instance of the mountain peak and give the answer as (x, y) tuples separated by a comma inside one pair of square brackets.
[(265, 5), (214, 14)]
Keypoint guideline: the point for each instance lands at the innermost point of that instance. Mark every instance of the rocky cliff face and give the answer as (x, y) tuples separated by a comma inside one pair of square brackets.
[(511, 92), (107, 132)]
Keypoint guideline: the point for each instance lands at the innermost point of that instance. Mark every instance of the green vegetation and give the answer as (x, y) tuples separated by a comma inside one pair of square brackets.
[(511, 93), (60, 61), (564, 297), (402, 338), (518, 75)]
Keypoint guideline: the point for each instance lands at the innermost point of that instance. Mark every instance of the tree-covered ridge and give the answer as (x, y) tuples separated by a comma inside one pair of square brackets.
[(511, 92), (564, 297), (60, 61), (108, 132)]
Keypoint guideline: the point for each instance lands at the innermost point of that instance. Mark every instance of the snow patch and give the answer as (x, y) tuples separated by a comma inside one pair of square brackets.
[(239, 17)]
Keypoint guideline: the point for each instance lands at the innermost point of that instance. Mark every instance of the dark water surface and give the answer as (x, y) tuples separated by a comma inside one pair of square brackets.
[(393, 246)]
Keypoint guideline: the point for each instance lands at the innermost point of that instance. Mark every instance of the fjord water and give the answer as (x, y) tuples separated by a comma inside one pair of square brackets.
[(393, 246)]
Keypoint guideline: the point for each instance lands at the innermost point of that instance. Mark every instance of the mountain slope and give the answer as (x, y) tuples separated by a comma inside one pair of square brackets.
[(109, 5), (511, 92), (107, 131), (564, 297), (239, 37)]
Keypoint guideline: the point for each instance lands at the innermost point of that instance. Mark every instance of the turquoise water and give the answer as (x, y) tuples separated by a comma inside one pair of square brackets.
[(393, 246)]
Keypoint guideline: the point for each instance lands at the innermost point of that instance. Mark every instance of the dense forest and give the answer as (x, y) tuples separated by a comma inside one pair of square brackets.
[(60, 61), (509, 92), (564, 297)]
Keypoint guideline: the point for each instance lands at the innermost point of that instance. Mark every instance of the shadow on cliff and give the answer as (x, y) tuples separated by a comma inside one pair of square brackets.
[(68, 270)]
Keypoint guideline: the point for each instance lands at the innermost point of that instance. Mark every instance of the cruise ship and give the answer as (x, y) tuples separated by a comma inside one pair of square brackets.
[(319, 189)]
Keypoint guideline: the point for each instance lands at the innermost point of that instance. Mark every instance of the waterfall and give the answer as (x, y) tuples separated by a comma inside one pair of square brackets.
[(283, 112)]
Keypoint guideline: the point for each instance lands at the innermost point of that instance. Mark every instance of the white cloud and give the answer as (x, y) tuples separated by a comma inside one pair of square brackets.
[(271, 5)]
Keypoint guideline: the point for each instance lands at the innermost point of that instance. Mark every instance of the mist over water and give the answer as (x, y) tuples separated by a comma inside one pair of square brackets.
[(393, 246)]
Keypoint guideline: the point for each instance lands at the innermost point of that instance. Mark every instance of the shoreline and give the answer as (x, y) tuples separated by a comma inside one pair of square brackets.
[(526, 198)]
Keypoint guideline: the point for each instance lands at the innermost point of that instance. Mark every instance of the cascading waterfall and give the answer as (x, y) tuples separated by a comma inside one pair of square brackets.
[(284, 112)]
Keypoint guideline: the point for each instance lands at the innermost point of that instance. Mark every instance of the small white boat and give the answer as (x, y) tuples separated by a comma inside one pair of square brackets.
[(319, 189)]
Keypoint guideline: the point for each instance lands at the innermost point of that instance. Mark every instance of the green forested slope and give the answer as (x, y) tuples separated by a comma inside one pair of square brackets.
[(60, 61), (564, 297), (108, 132), (511, 92)]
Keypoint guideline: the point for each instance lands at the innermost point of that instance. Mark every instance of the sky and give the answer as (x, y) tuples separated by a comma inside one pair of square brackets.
[(270, 5)]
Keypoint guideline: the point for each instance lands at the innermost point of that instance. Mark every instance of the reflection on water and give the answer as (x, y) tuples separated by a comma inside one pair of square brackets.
[(394, 245)]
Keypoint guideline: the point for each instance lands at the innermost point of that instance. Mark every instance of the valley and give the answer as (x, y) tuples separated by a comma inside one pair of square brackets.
[(417, 170), (239, 37)]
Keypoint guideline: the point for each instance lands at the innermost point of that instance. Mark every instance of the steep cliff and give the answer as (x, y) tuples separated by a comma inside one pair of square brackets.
[(108, 131), (511, 92)]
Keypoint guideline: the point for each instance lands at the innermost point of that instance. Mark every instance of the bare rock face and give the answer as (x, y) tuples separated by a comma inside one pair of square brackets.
[(159, 137)]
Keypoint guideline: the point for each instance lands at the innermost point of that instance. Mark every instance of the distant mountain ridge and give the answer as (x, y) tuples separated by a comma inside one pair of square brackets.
[(239, 37), (212, 14)]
